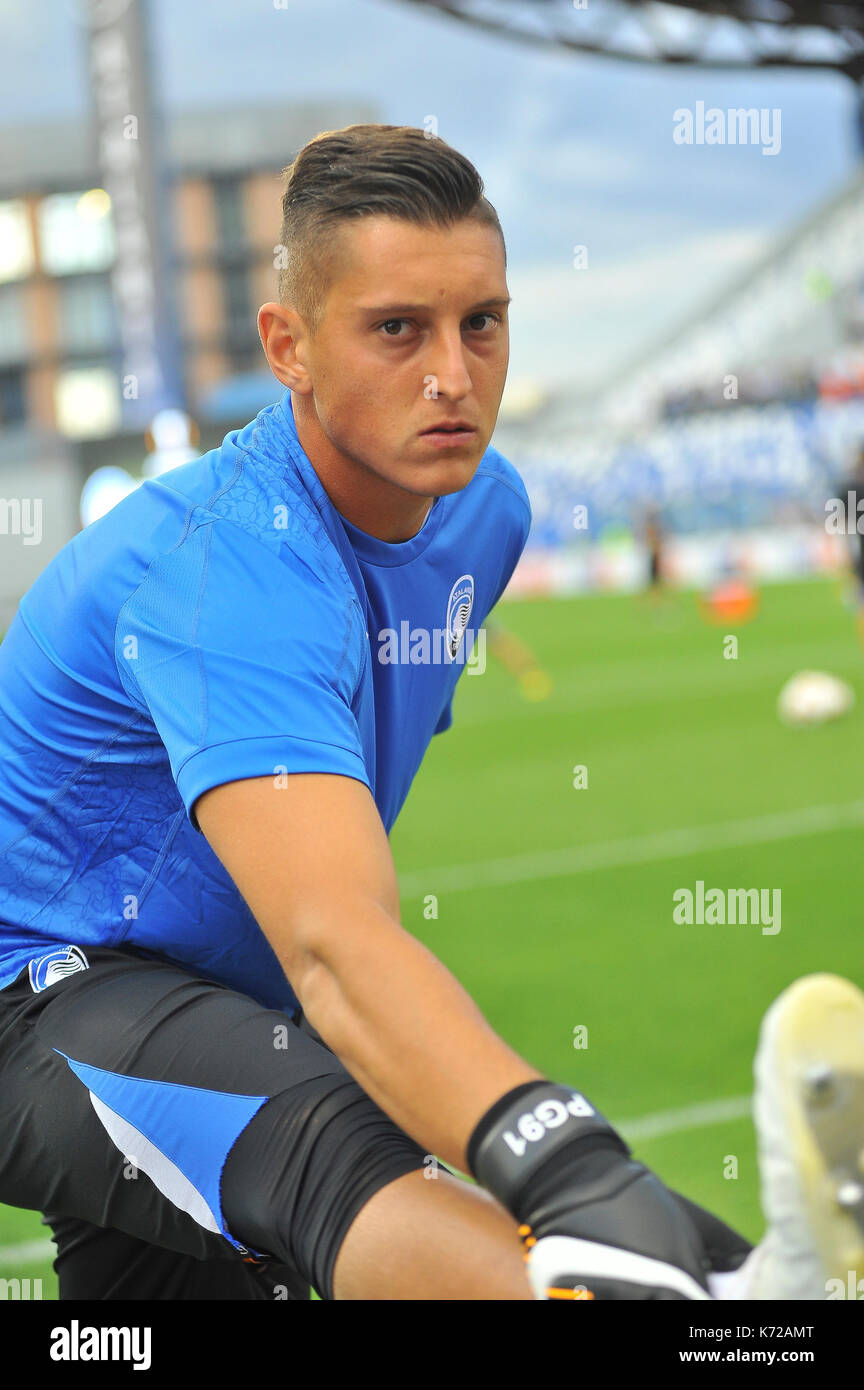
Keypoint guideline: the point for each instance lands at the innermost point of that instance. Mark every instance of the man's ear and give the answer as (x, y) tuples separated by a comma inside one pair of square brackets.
[(282, 332)]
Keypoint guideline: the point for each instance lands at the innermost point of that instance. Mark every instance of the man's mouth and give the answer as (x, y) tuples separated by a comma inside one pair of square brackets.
[(454, 429)]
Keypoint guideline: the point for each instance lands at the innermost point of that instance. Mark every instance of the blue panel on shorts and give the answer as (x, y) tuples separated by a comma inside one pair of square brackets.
[(193, 1127)]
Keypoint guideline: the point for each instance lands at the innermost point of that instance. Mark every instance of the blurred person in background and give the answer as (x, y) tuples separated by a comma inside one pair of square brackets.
[(850, 492)]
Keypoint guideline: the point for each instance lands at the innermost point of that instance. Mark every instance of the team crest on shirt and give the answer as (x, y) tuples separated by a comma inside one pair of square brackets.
[(459, 606), (47, 970)]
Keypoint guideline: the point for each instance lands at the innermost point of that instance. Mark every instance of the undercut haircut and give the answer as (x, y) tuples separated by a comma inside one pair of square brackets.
[(366, 171)]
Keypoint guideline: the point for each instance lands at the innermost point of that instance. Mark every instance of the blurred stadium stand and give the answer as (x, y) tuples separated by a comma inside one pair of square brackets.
[(747, 416), (792, 327)]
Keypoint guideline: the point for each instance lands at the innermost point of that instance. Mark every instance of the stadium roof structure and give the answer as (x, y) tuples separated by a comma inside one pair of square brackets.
[(726, 34)]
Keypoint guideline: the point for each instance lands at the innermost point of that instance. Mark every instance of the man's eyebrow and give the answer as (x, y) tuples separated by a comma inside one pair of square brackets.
[(394, 309)]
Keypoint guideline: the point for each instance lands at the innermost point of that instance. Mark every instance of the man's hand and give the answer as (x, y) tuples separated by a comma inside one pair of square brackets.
[(597, 1223)]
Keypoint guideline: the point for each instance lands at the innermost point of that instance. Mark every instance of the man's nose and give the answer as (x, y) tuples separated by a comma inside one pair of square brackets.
[(447, 366)]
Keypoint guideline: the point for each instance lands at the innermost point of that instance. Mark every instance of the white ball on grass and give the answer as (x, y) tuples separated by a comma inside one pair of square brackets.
[(813, 697)]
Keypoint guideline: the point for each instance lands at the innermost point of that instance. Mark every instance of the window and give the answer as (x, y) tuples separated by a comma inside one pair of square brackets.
[(230, 221), (240, 324), (76, 232), (13, 400), (13, 326), (86, 315), (87, 401), (16, 243)]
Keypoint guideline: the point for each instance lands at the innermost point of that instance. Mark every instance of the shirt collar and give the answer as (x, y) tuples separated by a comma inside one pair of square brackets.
[(366, 547)]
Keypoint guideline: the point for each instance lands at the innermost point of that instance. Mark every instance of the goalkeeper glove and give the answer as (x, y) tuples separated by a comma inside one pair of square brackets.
[(596, 1223)]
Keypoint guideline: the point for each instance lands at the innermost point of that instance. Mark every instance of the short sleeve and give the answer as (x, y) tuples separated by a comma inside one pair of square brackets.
[(446, 718), (246, 659)]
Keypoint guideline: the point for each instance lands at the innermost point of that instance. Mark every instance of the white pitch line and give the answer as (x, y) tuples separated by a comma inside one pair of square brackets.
[(699, 1116), (663, 1122), (32, 1252), (638, 849)]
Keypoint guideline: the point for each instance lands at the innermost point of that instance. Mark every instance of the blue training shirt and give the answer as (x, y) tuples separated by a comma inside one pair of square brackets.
[(223, 621)]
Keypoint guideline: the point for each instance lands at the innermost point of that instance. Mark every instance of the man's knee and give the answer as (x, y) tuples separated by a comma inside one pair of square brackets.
[(303, 1168)]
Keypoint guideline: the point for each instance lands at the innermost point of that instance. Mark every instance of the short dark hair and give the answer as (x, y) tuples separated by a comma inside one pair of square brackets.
[(364, 171)]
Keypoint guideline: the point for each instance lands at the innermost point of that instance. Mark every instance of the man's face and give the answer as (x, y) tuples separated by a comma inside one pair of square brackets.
[(414, 333)]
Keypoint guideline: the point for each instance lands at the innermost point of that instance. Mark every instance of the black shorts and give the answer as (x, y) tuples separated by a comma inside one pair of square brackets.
[(183, 1141)]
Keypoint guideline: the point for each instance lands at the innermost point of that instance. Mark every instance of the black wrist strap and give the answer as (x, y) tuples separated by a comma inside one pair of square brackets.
[(523, 1129)]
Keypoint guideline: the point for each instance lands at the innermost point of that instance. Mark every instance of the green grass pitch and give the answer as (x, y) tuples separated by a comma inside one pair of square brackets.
[(674, 737)]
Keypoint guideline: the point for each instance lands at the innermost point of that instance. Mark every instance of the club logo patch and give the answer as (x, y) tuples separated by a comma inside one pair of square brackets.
[(47, 970), (459, 606)]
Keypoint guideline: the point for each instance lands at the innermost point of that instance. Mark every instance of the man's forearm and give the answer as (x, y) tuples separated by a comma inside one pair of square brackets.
[(407, 1031)]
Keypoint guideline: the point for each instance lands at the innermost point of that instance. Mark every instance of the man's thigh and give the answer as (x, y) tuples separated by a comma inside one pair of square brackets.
[(125, 1087), (95, 1263)]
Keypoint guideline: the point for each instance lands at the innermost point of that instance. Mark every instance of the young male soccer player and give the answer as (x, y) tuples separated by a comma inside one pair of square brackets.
[(224, 1064)]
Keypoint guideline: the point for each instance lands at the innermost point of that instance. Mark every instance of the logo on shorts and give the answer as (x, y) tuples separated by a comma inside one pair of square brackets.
[(47, 970), (459, 606)]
